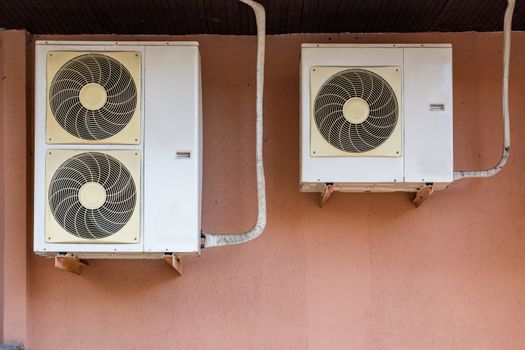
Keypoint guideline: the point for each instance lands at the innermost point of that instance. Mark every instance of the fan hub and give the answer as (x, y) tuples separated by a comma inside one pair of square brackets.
[(93, 96), (356, 110), (92, 195)]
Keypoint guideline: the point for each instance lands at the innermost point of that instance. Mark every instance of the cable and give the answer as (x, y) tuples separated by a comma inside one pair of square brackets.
[(217, 240), (507, 30)]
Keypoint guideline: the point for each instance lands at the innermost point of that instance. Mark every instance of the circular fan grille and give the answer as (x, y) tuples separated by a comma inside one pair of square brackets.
[(339, 129), (111, 96), (92, 168)]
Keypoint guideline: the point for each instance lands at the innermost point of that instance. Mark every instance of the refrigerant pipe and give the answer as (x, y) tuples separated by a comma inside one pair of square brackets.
[(507, 30), (217, 240)]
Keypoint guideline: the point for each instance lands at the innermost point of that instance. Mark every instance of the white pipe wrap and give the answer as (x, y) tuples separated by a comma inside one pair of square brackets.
[(507, 31), (217, 240)]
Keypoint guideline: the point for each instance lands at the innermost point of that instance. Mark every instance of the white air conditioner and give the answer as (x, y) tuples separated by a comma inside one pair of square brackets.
[(117, 149), (376, 117)]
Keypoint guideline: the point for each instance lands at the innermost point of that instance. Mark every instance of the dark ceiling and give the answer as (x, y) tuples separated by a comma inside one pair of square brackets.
[(232, 17)]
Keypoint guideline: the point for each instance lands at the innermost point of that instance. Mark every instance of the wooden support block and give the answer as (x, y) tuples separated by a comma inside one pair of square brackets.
[(69, 263), (325, 195), (174, 261), (422, 195)]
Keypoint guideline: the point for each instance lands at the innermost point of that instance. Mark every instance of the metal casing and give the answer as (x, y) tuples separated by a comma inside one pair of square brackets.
[(426, 107), (170, 148)]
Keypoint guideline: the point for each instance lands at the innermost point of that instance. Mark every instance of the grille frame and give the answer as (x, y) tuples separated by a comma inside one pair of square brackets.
[(130, 232), (130, 134), (321, 147)]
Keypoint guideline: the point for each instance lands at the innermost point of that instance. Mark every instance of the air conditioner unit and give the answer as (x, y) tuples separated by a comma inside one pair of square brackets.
[(376, 117), (117, 149)]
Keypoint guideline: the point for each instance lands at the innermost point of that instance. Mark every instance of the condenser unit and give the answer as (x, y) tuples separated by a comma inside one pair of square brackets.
[(376, 117), (117, 149)]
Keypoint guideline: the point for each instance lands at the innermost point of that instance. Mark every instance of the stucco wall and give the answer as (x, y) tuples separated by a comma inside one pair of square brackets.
[(13, 186), (368, 271)]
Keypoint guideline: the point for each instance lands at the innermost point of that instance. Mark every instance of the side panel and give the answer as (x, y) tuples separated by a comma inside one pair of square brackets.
[(172, 152), (344, 169), (428, 115)]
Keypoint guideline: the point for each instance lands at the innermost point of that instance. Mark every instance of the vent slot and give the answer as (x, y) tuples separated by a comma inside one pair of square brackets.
[(437, 107), (183, 154)]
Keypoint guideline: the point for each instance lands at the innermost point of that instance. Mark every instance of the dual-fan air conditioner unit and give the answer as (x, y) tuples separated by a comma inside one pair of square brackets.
[(117, 148), (376, 117)]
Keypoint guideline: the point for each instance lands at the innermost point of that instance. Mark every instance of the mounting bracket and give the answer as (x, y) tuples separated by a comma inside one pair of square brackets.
[(69, 263)]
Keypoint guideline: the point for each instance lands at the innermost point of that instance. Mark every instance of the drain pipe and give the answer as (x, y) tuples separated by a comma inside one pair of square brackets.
[(507, 30), (217, 240)]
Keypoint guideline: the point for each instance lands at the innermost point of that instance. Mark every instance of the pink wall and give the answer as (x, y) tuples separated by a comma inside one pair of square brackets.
[(13, 186), (368, 271)]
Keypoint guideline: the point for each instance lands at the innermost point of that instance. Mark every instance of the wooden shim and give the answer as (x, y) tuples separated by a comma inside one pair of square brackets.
[(174, 261), (69, 263), (325, 195), (422, 195)]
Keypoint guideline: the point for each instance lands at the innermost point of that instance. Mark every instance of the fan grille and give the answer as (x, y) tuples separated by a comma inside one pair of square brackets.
[(344, 134), (99, 168), (116, 109)]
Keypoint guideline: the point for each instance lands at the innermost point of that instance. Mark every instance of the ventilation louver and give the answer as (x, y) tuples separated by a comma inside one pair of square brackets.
[(356, 110), (92, 195), (94, 96)]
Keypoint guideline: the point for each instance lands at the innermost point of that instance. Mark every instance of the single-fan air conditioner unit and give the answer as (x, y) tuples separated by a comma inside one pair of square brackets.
[(117, 148), (376, 117)]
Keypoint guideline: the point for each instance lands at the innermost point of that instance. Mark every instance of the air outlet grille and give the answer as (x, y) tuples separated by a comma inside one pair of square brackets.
[(93, 96), (92, 195), (356, 110)]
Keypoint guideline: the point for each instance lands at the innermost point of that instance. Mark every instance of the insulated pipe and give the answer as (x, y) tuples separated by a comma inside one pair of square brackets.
[(507, 30), (217, 240)]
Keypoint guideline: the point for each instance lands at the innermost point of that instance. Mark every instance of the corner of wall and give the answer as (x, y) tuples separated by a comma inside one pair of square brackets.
[(14, 227)]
